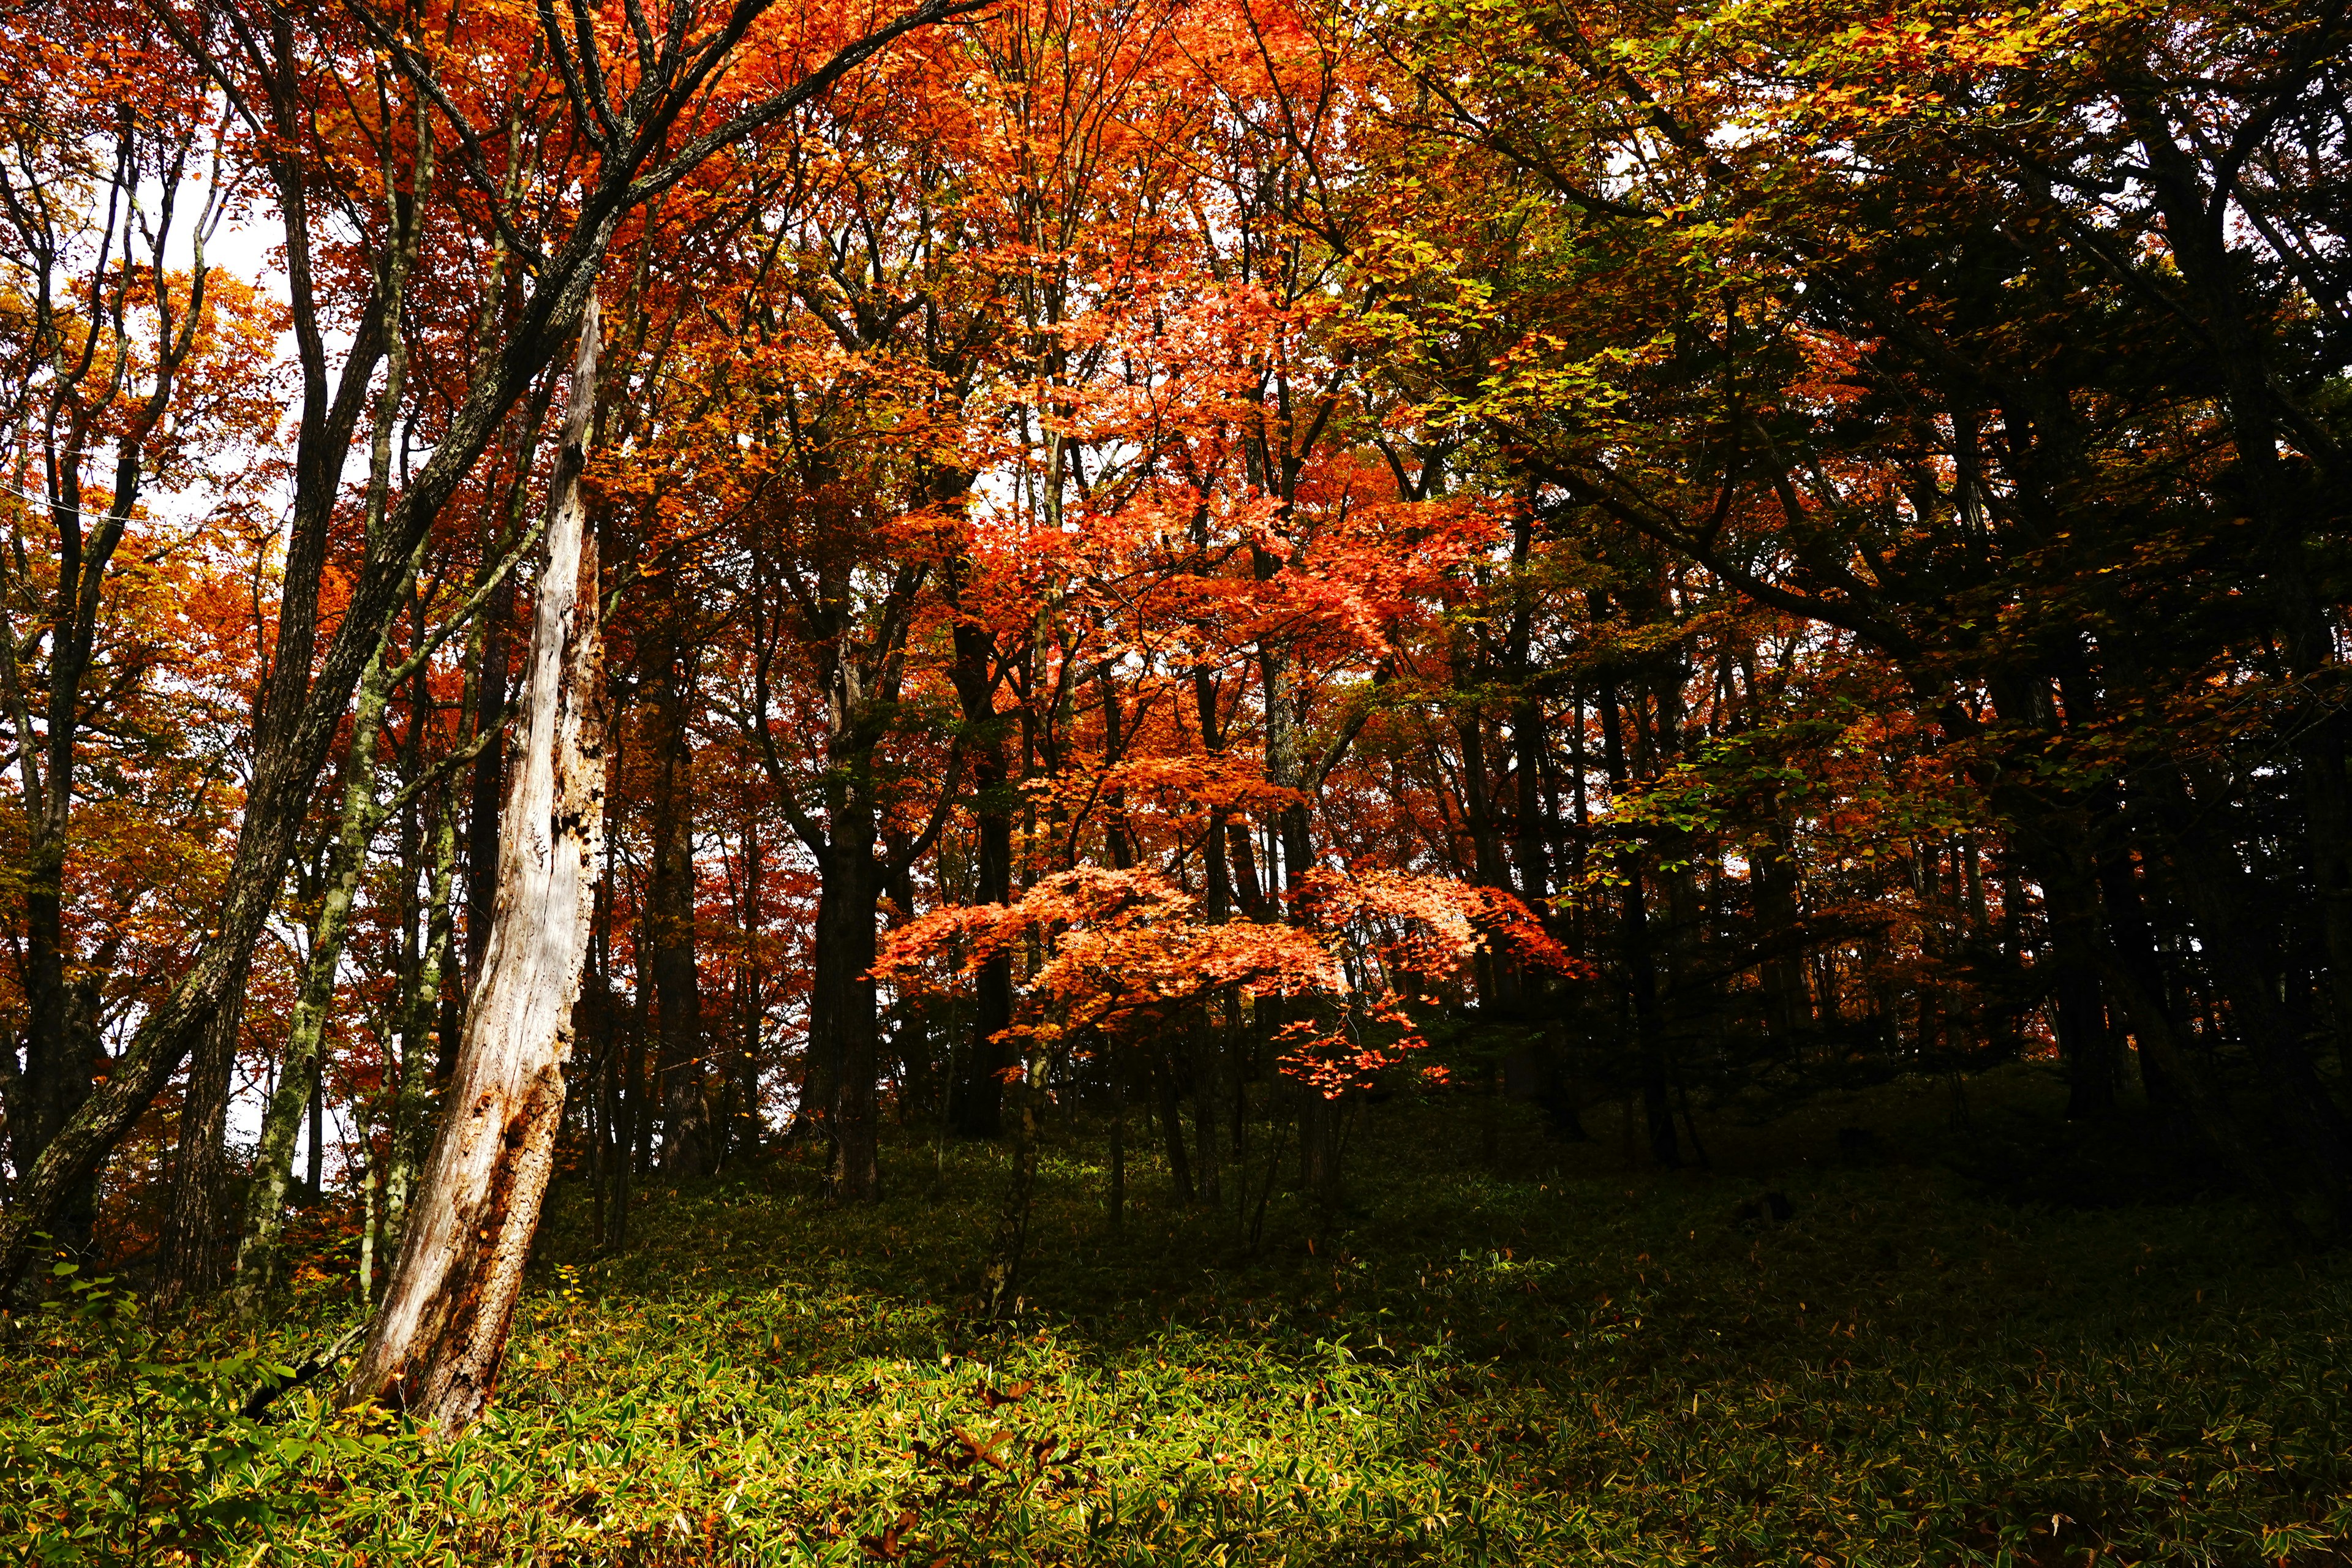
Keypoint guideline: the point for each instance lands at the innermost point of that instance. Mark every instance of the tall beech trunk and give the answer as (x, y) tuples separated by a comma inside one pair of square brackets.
[(438, 1339)]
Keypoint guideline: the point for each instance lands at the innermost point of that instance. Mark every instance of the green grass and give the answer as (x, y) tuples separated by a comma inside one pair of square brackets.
[(1543, 1358)]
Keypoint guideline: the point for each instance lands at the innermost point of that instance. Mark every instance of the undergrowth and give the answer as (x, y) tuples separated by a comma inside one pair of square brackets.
[(1537, 1357)]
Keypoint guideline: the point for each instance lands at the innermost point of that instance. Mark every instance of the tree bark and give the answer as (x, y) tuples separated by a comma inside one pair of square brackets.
[(842, 1022), (687, 1135), (299, 1073), (413, 1103), (436, 1344), (978, 1095), (1641, 961), (195, 1253)]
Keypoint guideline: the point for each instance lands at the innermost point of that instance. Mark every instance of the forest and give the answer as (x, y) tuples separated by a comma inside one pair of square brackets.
[(1102, 781)]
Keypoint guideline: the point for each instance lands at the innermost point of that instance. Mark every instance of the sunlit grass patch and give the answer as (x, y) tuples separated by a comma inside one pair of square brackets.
[(1553, 1362)]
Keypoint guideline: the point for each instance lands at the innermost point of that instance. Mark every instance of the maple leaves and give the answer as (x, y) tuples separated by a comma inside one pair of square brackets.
[(1114, 954)]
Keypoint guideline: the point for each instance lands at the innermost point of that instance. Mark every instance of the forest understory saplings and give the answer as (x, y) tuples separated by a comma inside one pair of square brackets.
[(1165, 628)]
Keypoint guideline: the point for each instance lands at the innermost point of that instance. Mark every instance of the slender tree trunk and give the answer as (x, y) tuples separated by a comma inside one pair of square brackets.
[(1318, 1150), (1772, 874), (1641, 961), (1171, 1126), (1009, 1247), (746, 1127), (687, 1129), (300, 1078), (841, 1011), (436, 1344), (628, 1109), (1117, 1062), (979, 1094), (314, 1160), (976, 1107), (1208, 1108), (412, 1112), (62, 1062)]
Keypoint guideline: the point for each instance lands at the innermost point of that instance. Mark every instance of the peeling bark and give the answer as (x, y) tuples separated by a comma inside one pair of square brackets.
[(439, 1338)]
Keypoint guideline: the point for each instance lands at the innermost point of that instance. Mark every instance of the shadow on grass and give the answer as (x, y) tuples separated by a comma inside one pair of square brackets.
[(1549, 1359)]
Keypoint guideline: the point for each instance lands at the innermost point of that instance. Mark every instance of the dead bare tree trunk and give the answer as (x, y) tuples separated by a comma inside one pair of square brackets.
[(437, 1342)]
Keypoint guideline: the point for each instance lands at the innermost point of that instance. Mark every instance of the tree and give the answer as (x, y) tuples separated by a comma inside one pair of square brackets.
[(436, 1344), (116, 345), (630, 150)]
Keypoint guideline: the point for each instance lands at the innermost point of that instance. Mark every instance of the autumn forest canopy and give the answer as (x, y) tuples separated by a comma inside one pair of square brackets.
[(609, 596)]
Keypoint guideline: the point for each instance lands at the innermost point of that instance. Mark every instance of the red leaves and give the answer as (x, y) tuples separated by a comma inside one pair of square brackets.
[(1101, 949), (1106, 954), (985, 1453), (995, 1399), (887, 1547)]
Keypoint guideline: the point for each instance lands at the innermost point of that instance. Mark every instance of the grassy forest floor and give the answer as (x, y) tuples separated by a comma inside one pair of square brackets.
[(1957, 1348)]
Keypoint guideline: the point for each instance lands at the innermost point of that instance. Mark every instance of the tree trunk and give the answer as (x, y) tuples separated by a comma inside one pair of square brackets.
[(1772, 874), (745, 1125), (60, 1065), (841, 1025), (1001, 1276), (411, 1107), (687, 1131), (299, 1074), (628, 1112), (979, 1095), (196, 1250), (1641, 961), (1208, 1108), (314, 1160), (437, 1342), (1116, 1061), (1172, 1125)]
